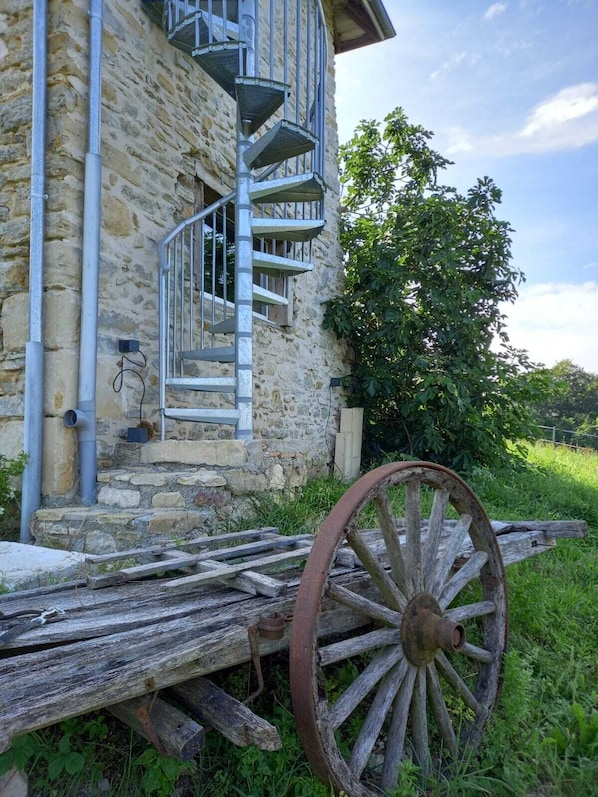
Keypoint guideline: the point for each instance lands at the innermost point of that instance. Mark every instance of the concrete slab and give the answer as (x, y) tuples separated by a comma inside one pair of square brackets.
[(28, 566)]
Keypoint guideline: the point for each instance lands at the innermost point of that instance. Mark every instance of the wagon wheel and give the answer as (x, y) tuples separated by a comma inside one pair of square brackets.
[(419, 690)]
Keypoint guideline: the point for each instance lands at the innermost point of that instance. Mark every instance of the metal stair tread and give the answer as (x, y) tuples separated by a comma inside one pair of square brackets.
[(265, 296), (222, 62), (258, 98), (284, 140), (215, 384), (219, 354), (263, 261), (203, 415), (154, 9), (225, 327), (295, 230), (307, 187)]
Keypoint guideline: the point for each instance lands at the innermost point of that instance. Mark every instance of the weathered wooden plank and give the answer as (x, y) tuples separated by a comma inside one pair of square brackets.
[(190, 545), (551, 528), (41, 687), (232, 718), (227, 571), (156, 720)]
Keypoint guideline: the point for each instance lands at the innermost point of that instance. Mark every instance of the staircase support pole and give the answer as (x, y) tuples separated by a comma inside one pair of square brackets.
[(243, 292), (244, 245)]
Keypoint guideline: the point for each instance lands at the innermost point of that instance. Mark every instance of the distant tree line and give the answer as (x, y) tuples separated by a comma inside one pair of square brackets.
[(570, 405)]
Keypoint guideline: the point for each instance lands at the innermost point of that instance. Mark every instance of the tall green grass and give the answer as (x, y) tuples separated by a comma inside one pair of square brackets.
[(542, 740)]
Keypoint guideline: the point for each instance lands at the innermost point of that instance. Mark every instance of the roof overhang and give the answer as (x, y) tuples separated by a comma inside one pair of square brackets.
[(358, 23)]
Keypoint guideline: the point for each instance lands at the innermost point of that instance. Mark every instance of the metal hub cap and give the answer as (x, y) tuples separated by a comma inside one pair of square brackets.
[(424, 631)]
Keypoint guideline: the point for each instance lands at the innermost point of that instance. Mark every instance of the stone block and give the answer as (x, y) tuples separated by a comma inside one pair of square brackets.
[(24, 566), (223, 453), (116, 217), (241, 482), (168, 500), (60, 382), (175, 524), (213, 498), (15, 321), (59, 456), (148, 479), (202, 478), (99, 541), (61, 326), (277, 480), (124, 499)]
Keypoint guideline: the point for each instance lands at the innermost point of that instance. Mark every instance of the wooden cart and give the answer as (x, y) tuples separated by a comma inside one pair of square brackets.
[(419, 607)]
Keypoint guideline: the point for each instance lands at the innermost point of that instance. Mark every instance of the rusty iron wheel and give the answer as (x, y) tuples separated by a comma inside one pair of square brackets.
[(425, 664)]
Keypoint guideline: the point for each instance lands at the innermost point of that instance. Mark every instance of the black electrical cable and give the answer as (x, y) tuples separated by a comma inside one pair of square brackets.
[(120, 377)]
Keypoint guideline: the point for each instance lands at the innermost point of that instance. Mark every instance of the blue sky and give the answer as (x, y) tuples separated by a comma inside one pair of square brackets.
[(510, 90)]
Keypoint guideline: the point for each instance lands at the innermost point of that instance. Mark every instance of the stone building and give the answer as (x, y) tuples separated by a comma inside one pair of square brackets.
[(169, 232)]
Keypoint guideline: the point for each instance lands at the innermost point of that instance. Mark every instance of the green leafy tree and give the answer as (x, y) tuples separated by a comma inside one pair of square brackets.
[(571, 405), (426, 271)]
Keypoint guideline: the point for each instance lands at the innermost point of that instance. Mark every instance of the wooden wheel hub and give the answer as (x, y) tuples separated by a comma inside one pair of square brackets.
[(424, 631)]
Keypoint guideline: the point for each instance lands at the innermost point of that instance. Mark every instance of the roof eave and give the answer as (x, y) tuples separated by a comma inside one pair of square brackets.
[(359, 23)]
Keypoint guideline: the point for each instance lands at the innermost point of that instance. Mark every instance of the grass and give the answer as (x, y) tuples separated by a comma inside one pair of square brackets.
[(542, 740)]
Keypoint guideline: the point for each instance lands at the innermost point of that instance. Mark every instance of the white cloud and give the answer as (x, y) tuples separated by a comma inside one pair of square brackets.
[(459, 140), (570, 103), (494, 10), (556, 321), (565, 121), (464, 57)]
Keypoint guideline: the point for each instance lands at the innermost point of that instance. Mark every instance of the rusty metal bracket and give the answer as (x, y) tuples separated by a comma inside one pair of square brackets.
[(145, 720), (257, 664), (271, 626)]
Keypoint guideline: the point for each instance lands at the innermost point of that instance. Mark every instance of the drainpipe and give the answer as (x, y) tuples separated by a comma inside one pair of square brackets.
[(83, 418), (34, 349)]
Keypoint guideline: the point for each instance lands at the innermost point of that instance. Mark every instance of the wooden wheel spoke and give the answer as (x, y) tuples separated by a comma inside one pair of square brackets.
[(354, 646), (461, 613), (453, 678), (413, 532), (357, 742), (441, 715), (396, 734), (370, 730), (363, 685), (364, 605), (478, 654), (393, 545), (435, 525), (445, 562), (470, 570), (419, 722), (388, 589)]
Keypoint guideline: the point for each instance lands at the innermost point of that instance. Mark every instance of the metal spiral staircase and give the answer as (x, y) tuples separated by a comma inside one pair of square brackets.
[(234, 259)]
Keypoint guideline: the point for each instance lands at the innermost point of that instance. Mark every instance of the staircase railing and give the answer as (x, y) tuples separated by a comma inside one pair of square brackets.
[(196, 267), (290, 46), (277, 42)]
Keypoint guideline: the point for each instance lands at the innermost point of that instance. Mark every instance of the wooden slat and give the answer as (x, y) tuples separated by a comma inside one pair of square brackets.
[(233, 719)]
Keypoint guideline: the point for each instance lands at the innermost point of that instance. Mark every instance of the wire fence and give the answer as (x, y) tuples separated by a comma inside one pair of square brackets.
[(569, 437)]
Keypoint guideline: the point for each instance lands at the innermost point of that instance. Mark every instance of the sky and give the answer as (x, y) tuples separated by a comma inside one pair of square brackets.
[(510, 90)]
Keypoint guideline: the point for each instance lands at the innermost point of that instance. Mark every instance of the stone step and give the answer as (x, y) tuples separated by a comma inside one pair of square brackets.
[(102, 529)]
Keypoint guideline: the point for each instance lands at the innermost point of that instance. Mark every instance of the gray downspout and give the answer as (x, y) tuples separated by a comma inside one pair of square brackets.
[(34, 349), (83, 418)]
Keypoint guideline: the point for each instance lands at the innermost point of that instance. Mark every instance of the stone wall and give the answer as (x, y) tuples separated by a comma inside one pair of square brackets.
[(164, 123)]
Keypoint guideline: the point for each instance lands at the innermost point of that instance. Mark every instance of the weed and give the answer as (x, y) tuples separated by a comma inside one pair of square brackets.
[(10, 469)]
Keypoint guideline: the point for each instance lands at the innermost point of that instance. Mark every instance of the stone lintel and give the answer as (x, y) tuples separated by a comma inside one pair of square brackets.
[(221, 453)]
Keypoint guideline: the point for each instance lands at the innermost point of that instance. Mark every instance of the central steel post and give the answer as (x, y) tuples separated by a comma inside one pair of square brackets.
[(244, 244)]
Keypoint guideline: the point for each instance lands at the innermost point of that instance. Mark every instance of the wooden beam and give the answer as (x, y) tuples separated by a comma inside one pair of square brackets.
[(232, 718), (173, 733)]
